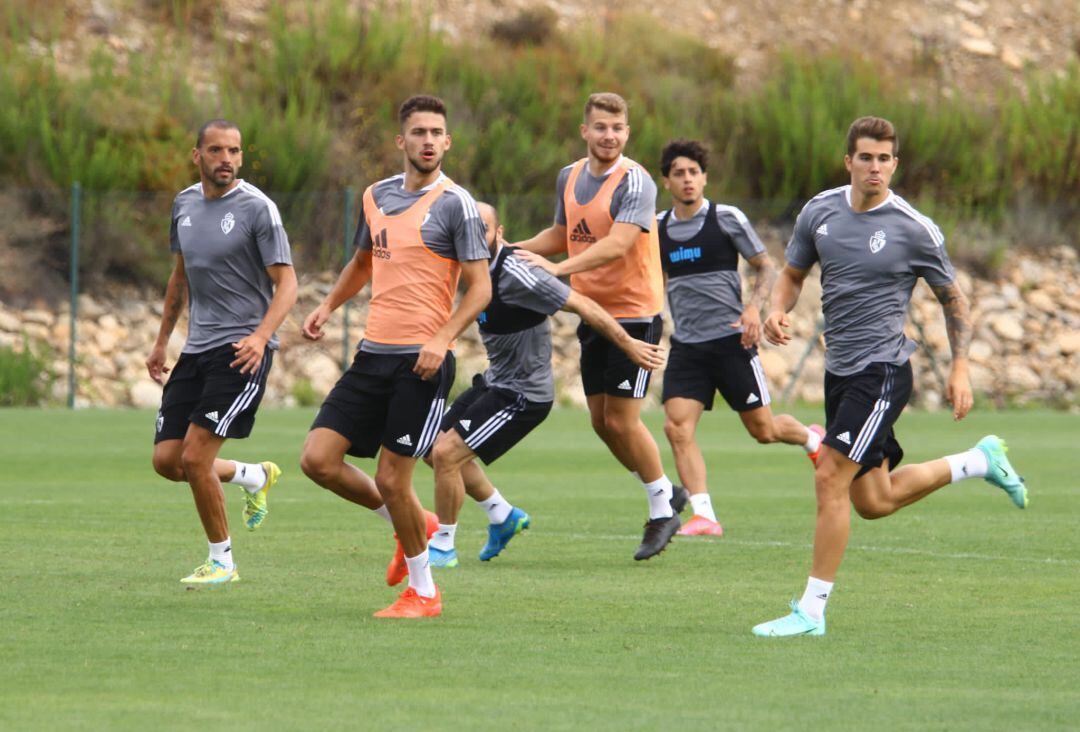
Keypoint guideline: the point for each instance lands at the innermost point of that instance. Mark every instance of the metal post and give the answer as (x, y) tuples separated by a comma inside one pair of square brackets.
[(346, 254), (76, 220), (810, 346)]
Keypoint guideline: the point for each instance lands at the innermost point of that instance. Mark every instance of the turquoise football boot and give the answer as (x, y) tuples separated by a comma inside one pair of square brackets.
[(1000, 471), (499, 535), (797, 623)]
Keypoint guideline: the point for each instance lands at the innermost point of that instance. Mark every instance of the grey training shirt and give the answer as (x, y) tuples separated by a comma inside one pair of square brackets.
[(704, 305), (521, 361), (633, 202), (453, 229), (869, 264), (227, 243)]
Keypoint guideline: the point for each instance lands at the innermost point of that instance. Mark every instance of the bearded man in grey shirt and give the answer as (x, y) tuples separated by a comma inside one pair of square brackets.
[(872, 246), (233, 263)]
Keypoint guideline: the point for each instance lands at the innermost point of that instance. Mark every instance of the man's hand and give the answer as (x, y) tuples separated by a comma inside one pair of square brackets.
[(538, 261), (750, 322), (646, 355), (776, 328), (431, 358), (249, 353), (958, 391), (155, 364), (313, 323)]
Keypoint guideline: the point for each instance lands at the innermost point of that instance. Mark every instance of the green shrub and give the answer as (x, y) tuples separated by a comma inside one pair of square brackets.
[(24, 377), (305, 394)]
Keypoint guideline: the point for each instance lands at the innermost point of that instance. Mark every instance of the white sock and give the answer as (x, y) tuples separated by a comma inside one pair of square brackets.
[(814, 598), (221, 552), (659, 494), (420, 574), (384, 512), (250, 475), (968, 464), (702, 504), (496, 507), (813, 441), (444, 537)]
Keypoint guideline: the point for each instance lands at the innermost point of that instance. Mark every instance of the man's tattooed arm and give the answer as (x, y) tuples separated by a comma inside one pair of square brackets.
[(957, 317), (764, 279)]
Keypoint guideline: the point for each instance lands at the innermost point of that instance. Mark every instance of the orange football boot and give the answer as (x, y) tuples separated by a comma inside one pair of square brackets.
[(397, 570), (820, 431), (701, 526), (411, 605)]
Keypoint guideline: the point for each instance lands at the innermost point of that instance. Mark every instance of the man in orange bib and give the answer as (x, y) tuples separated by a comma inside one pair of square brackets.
[(605, 219), (417, 234)]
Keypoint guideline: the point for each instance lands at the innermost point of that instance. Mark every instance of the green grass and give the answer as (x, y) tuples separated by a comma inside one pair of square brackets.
[(958, 613)]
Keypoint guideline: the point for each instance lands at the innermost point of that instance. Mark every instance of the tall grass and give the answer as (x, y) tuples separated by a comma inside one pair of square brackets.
[(316, 90)]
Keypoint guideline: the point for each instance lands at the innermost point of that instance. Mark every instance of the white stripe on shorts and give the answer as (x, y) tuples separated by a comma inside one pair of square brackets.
[(431, 427), (242, 401), (877, 414), (491, 426), (762, 383)]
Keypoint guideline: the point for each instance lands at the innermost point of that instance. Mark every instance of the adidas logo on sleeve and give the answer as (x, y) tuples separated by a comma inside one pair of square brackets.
[(466, 423), (186, 221), (822, 230)]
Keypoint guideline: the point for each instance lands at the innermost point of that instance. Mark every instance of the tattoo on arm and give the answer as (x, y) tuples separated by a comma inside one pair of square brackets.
[(957, 317), (764, 279)]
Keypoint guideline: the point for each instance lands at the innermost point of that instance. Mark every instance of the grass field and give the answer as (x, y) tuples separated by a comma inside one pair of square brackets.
[(957, 613)]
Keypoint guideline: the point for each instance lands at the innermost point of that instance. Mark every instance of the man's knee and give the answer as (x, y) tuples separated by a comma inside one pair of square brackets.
[(318, 468), (679, 433), (168, 466), (450, 451), (871, 508), (620, 425), (763, 433)]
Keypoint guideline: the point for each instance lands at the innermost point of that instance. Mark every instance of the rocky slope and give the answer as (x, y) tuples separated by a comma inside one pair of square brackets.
[(1026, 346)]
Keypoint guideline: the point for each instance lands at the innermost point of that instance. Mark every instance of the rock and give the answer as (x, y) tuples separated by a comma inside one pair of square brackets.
[(106, 340), (145, 394), (980, 352), (1042, 301), (970, 9), (9, 323), (1007, 326), (979, 46), (41, 317), (1069, 343), (321, 370), (89, 307), (1011, 58), (1020, 378)]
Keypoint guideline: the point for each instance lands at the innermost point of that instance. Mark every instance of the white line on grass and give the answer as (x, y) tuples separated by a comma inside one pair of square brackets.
[(851, 547)]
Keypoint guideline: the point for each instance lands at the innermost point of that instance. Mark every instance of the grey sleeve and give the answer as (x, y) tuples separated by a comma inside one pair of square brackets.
[(634, 201), (560, 193), (270, 236), (466, 227), (174, 235), (734, 223), (362, 238), (530, 287), (801, 251), (929, 259)]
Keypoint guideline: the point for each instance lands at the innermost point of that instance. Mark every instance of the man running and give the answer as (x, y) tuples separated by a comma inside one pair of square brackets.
[(418, 233), (232, 261), (872, 246), (513, 396), (605, 219), (714, 347)]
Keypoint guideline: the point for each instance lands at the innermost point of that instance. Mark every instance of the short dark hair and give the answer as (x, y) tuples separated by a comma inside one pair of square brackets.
[(683, 148), (420, 103), (214, 124), (609, 102), (876, 128)]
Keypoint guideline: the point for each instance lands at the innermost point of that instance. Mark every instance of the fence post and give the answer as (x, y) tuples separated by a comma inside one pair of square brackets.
[(76, 220), (345, 256)]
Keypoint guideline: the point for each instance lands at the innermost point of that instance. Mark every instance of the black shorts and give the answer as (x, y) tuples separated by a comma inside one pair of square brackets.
[(606, 369), (697, 370), (491, 420), (204, 390), (860, 411), (380, 401)]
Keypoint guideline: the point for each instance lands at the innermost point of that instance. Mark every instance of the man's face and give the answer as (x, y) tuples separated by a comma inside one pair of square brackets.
[(686, 181), (424, 140), (871, 166), (220, 156), (492, 230), (605, 134)]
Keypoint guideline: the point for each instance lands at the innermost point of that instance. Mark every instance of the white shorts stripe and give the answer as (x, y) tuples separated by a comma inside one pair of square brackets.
[(491, 426), (877, 414), (242, 401), (762, 383), (431, 425), (640, 383)]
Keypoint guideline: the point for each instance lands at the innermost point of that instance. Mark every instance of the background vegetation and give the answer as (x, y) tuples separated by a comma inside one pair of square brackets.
[(315, 95)]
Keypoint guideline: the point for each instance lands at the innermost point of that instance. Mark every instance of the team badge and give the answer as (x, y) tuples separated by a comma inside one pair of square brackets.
[(229, 222), (877, 241)]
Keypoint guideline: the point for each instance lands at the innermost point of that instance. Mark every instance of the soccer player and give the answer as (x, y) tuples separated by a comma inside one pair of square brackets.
[(513, 396), (872, 246), (418, 233), (233, 263), (714, 346), (605, 219)]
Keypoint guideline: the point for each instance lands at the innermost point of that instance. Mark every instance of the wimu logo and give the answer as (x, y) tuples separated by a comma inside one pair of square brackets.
[(685, 254)]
